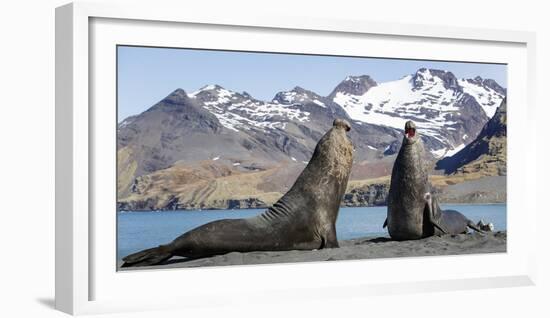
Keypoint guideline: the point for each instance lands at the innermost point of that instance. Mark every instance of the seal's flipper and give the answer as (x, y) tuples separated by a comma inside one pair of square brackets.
[(147, 257), (329, 244), (330, 240), (385, 223), (430, 202), (437, 225)]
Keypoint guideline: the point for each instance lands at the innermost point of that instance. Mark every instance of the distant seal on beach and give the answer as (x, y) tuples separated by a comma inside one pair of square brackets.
[(449, 221), (303, 219), (413, 212)]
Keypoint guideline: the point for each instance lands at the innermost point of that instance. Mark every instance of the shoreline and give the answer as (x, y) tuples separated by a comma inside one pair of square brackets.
[(248, 209), (353, 249)]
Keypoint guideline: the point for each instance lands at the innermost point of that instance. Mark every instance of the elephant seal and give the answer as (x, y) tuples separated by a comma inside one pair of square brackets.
[(303, 219), (408, 186), (449, 221), (413, 212)]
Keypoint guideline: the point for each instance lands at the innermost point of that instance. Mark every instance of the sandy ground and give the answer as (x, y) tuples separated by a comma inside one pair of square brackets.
[(362, 248)]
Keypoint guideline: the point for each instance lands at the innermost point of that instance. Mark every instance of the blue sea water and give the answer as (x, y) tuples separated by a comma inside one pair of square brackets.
[(140, 230)]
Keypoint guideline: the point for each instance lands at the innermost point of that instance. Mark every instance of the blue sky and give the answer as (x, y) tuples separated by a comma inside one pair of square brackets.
[(147, 75)]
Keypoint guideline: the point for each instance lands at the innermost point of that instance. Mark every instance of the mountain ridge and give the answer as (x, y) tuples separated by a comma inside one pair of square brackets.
[(242, 134)]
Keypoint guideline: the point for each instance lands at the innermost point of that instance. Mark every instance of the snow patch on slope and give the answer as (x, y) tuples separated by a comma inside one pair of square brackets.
[(393, 103), (237, 112), (445, 152), (487, 98)]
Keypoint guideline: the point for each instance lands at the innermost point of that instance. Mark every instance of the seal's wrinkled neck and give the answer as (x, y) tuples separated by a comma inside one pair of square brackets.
[(409, 141)]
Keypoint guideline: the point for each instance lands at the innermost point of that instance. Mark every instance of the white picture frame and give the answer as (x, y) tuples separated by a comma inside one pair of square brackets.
[(85, 285)]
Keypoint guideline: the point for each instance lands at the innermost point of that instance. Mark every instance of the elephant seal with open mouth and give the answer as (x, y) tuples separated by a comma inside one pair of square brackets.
[(303, 219), (413, 212)]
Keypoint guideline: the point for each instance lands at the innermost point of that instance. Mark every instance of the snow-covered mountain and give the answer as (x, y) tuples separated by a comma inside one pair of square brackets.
[(449, 112), (239, 111), (242, 131)]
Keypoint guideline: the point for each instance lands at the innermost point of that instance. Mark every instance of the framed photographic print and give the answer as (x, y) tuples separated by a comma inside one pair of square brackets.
[(191, 163), (243, 154)]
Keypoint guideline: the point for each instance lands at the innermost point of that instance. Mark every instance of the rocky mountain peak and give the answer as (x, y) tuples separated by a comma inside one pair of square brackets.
[(177, 95), (211, 87), (487, 84), (216, 94), (179, 91), (427, 77), (300, 90), (354, 85), (297, 95), (175, 100), (492, 84)]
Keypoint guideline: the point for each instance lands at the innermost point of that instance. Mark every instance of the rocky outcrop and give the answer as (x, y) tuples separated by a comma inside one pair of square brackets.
[(449, 189), (173, 204), (354, 85), (449, 80), (370, 195)]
